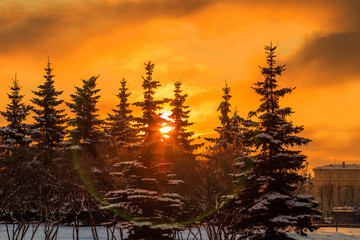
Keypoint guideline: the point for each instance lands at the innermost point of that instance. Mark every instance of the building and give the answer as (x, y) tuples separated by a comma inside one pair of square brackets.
[(337, 185), (346, 215)]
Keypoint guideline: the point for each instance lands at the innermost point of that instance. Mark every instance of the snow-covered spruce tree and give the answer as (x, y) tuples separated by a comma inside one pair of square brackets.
[(16, 133), (87, 139), (180, 114), (17, 158), (150, 196), (119, 125), (268, 205), (87, 125), (181, 150), (49, 121)]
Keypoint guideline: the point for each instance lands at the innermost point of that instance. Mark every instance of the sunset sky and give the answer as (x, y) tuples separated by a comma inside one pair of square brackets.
[(202, 43)]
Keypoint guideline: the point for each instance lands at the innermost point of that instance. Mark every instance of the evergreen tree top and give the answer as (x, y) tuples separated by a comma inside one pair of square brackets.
[(180, 115), (224, 107), (16, 132), (49, 121), (86, 122), (225, 131), (149, 85), (16, 111), (15, 90), (119, 125), (48, 71), (84, 101), (123, 95), (85, 95), (46, 91), (151, 119), (268, 88), (179, 112)]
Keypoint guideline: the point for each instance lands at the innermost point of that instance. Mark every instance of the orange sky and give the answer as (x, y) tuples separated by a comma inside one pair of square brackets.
[(203, 43)]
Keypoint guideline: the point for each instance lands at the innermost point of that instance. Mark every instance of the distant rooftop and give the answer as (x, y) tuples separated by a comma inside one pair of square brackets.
[(345, 209), (340, 166)]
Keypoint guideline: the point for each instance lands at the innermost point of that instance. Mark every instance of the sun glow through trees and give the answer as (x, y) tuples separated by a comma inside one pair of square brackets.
[(166, 128)]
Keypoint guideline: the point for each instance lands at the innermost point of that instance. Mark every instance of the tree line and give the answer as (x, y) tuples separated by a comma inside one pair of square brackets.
[(87, 170)]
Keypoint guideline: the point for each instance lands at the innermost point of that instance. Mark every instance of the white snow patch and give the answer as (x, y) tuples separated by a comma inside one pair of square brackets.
[(175, 182), (66, 232)]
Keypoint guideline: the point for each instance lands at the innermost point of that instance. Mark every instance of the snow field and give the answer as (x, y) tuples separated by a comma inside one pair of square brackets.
[(65, 233), (331, 234)]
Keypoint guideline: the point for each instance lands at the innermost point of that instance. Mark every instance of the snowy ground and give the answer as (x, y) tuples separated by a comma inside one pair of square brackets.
[(65, 233), (331, 234)]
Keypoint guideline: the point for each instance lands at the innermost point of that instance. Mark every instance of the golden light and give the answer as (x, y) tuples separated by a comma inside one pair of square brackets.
[(166, 128)]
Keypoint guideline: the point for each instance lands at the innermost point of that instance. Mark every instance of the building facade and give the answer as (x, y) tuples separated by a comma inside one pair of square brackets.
[(337, 185)]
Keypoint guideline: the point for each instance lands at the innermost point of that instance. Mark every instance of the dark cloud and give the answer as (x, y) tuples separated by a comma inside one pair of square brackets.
[(145, 9), (33, 31), (55, 25), (327, 60), (332, 55), (347, 12), (59, 25), (62, 25)]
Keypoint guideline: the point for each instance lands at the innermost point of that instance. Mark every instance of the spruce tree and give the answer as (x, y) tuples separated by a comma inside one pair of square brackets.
[(182, 152), (224, 118), (225, 135), (87, 125), (16, 164), (119, 125), (16, 133), (243, 131), (150, 122), (220, 165), (237, 129), (49, 121), (180, 114), (150, 196), (268, 205)]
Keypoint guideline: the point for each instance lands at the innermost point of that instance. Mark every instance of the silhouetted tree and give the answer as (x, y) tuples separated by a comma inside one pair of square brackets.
[(181, 150), (16, 133), (119, 125), (268, 205), (150, 194), (87, 125), (17, 165), (225, 135), (219, 169), (180, 114), (49, 121), (150, 122)]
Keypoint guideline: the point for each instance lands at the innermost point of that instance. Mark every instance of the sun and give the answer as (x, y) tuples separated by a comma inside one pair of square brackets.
[(165, 127)]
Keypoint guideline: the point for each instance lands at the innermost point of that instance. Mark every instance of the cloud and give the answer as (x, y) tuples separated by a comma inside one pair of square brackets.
[(64, 25), (59, 24), (347, 13), (329, 54), (327, 60)]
